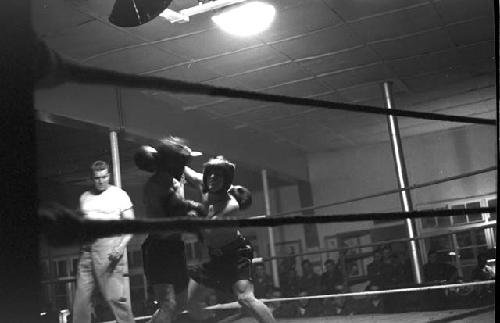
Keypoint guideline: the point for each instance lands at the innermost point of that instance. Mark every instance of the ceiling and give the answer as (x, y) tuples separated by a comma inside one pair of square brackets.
[(438, 54)]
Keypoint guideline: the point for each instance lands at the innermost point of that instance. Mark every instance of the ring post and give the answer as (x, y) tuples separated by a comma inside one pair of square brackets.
[(274, 262), (397, 152), (115, 157)]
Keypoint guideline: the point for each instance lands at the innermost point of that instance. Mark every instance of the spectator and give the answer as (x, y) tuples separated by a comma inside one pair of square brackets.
[(372, 303), (288, 262), (310, 281), (439, 271), (389, 269), (279, 309), (374, 269), (483, 271), (262, 283), (404, 273), (338, 305), (306, 307), (290, 283), (436, 271), (331, 277)]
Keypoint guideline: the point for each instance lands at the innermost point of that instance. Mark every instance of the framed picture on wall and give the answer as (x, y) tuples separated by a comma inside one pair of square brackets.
[(290, 251), (354, 242), (351, 243)]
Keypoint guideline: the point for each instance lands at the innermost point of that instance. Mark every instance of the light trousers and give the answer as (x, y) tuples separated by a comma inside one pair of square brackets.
[(96, 271)]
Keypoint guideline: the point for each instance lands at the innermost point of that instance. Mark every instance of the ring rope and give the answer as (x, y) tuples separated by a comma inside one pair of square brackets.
[(85, 74), (262, 259), (376, 244), (393, 191), (73, 227), (234, 305)]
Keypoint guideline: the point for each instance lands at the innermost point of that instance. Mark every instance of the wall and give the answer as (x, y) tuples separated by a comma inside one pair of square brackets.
[(366, 170)]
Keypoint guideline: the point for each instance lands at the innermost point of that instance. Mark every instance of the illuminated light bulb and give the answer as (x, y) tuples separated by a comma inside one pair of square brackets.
[(246, 20)]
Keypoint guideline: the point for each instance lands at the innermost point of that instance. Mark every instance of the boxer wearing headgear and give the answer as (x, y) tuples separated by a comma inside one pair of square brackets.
[(229, 266), (219, 164), (164, 257)]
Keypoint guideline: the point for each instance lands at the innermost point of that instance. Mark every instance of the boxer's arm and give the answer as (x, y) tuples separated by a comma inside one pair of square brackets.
[(193, 178)]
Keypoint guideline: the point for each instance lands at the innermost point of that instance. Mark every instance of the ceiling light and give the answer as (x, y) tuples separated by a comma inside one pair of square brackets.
[(133, 13), (248, 19)]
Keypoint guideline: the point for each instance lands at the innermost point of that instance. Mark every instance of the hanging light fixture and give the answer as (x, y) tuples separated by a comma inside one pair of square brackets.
[(247, 19), (132, 13)]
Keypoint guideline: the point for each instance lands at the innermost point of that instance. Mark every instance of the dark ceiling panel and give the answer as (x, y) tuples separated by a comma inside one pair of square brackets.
[(208, 43), (244, 60), (321, 42), (309, 16), (335, 61), (426, 63), (352, 9), (146, 59), (421, 43), (472, 31), (90, 39), (187, 72), (457, 10), (267, 77), (397, 23), (351, 77)]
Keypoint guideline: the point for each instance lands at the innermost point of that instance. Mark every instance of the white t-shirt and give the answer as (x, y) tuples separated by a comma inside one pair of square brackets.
[(107, 205)]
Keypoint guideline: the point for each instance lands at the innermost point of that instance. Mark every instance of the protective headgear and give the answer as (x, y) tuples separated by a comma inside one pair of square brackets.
[(219, 163), (144, 158), (172, 155), (132, 13)]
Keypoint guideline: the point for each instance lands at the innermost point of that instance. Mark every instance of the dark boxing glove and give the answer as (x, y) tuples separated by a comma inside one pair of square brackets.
[(242, 195), (144, 158)]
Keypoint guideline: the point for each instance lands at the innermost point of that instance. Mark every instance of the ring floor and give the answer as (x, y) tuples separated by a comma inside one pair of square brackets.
[(482, 315)]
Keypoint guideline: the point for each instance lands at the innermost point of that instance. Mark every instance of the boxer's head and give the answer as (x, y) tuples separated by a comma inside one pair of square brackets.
[(99, 174), (172, 155), (218, 175), (169, 155)]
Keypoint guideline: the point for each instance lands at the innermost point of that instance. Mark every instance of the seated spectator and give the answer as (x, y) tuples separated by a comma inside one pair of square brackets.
[(262, 283), (280, 309), (310, 281), (338, 305), (483, 271), (404, 272), (331, 277), (289, 282), (439, 271), (306, 307), (389, 269), (374, 269), (370, 304)]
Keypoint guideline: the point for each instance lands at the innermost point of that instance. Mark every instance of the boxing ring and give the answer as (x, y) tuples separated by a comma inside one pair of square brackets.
[(65, 230)]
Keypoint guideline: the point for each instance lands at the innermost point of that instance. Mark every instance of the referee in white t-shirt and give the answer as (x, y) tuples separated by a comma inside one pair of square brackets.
[(101, 263)]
